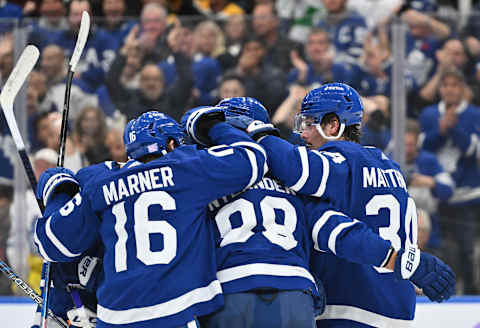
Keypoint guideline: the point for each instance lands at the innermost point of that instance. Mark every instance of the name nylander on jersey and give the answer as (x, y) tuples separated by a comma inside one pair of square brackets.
[(366, 185), (152, 218)]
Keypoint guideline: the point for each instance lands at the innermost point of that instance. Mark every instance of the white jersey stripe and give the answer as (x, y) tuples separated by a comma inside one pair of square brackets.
[(253, 163), (171, 307), (326, 172), (319, 224), (57, 243), (40, 247), (265, 269), (363, 316), (302, 151), (473, 145), (257, 147), (332, 239)]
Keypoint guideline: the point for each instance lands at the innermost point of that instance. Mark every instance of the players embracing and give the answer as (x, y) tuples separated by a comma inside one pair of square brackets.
[(258, 221)]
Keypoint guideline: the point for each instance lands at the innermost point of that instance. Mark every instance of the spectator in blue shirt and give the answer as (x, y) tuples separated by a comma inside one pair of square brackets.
[(320, 65), (114, 24), (452, 132), (346, 28)]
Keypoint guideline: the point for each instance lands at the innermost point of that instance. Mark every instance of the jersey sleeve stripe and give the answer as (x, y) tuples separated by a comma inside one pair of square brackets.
[(319, 224), (326, 173), (57, 243), (257, 147), (332, 239), (253, 163), (171, 307), (302, 151), (40, 247)]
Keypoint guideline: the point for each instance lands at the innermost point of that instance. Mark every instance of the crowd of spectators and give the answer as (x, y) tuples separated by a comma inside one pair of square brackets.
[(175, 55)]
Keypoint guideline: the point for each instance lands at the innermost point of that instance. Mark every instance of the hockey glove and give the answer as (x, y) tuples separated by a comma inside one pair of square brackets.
[(427, 272), (255, 129), (88, 272), (200, 121), (82, 317), (55, 180)]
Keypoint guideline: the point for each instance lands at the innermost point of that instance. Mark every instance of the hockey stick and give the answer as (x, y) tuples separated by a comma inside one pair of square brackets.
[(77, 53), (23, 285), (24, 66)]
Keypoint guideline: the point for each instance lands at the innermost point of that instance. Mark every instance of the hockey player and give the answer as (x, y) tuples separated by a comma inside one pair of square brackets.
[(367, 185), (151, 217)]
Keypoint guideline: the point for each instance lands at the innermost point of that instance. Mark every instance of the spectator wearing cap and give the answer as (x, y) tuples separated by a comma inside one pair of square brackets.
[(452, 132)]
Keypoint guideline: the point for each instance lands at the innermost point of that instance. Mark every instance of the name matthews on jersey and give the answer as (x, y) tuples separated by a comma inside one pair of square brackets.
[(137, 183), (379, 178)]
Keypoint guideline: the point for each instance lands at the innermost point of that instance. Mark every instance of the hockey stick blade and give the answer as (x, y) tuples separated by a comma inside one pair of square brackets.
[(24, 66), (81, 41)]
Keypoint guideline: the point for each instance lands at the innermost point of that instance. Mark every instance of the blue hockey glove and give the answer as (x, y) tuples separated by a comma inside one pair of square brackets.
[(256, 129), (200, 121), (54, 180), (427, 272)]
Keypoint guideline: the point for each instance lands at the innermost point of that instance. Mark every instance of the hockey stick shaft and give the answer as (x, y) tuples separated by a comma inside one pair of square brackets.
[(23, 285), (77, 53)]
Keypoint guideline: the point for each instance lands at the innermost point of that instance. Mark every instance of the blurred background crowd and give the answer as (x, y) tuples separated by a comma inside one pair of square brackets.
[(176, 54)]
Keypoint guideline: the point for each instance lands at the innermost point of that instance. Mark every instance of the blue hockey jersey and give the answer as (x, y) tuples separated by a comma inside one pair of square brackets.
[(348, 34), (97, 56), (159, 262), (265, 234), (365, 184), (458, 151)]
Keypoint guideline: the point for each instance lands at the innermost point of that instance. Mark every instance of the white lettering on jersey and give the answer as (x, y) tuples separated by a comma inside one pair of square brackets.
[(138, 183), (375, 177)]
